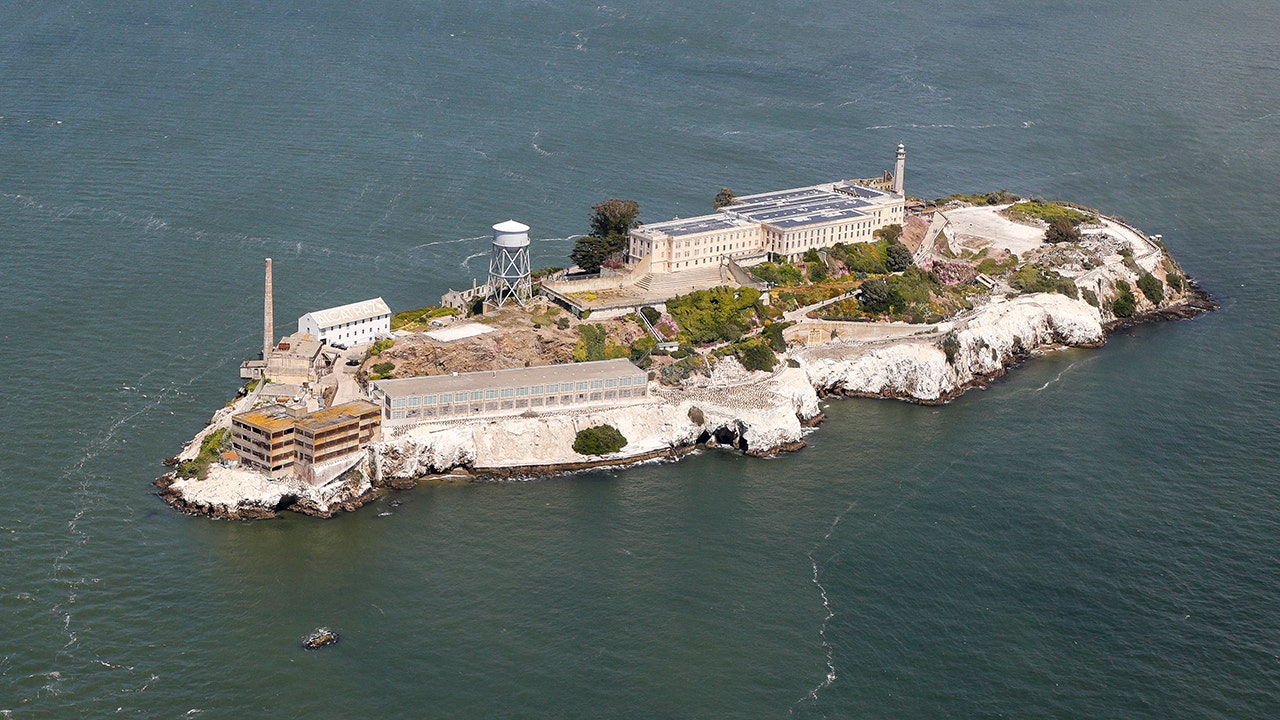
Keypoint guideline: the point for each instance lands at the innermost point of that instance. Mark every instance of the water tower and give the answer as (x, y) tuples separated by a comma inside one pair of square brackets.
[(509, 274)]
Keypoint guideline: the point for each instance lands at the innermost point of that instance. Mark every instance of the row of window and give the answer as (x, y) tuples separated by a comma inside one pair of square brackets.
[(357, 322), (489, 406), (498, 393)]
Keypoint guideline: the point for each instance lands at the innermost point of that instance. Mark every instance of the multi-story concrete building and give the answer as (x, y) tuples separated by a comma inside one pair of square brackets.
[(783, 224), (280, 441), (509, 392), (354, 324)]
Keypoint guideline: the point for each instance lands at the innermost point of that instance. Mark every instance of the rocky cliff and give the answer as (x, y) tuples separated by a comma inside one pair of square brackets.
[(935, 367)]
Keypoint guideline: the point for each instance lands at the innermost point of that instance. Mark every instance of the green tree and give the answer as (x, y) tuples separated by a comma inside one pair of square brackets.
[(897, 257), (724, 198), (875, 295), (611, 224)]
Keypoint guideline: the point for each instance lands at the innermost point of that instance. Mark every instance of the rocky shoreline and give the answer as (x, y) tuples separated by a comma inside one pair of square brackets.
[(995, 324), (759, 414)]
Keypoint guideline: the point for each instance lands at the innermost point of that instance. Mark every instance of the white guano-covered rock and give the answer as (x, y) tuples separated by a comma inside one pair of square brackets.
[(992, 337)]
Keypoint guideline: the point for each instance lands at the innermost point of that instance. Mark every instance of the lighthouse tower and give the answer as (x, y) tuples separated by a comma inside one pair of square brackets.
[(898, 168), (509, 273)]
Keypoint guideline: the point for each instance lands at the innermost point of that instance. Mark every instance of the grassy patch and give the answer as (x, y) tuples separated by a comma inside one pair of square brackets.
[(1032, 279), (210, 449), (420, 319), (377, 348), (1003, 197), (1048, 212)]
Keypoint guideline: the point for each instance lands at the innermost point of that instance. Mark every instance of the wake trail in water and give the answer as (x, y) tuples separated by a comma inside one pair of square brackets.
[(466, 262), (816, 578), (62, 571)]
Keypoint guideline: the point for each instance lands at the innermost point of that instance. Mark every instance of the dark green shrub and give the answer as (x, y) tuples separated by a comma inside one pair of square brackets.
[(863, 257), (599, 440), (718, 314), (755, 355), (772, 334), (650, 314), (696, 416), (1177, 283), (382, 368), (562, 322), (777, 274), (875, 295), (1061, 230), (888, 233), (1151, 286), (951, 346), (1032, 279), (897, 257), (1124, 305), (817, 272), (591, 343), (641, 350)]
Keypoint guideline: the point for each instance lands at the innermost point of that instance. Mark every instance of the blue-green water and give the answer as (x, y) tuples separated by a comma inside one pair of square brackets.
[(1094, 536)]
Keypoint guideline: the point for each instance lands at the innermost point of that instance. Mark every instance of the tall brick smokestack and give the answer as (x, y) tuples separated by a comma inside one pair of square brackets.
[(268, 313)]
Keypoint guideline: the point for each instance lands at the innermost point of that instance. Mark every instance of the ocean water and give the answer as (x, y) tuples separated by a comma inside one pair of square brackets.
[(1095, 535)]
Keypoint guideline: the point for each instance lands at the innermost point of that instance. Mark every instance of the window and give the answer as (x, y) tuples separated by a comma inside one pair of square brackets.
[(413, 401), (397, 415), (582, 386), (476, 395), (428, 399), (446, 398), (611, 383), (535, 390), (490, 394), (397, 403), (640, 380), (624, 381), (508, 392), (596, 384), (521, 392)]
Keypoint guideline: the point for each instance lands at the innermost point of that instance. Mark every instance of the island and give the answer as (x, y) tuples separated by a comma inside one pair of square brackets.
[(722, 330)]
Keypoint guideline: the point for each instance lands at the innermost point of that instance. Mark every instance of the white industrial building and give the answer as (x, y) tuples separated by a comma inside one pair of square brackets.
[(354, 324)]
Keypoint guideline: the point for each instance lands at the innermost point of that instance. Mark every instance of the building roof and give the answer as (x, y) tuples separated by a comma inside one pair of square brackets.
[(354, 312), (279, 417), (463, 382), (693, 225), (270, 417), (337, 415), (795, 207)]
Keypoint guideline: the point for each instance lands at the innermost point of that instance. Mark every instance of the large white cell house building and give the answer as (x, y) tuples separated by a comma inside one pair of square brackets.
[(782, 224), (354, 324)]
